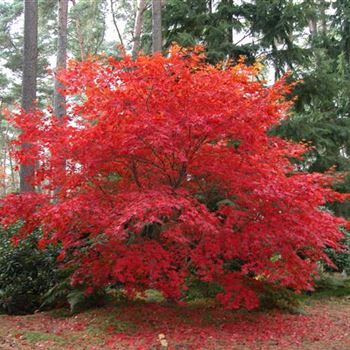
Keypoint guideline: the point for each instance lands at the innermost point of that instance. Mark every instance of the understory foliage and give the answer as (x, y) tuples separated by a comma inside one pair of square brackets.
[(341, 258), (163, 171), (26, 272)]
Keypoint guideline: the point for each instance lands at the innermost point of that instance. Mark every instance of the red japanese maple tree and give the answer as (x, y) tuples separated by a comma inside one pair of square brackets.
[(163, 169)]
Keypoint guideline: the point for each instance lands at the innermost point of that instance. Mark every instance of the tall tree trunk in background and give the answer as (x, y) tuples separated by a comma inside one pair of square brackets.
[(229, 4), (80, 39), (156, 26), (59, 100), (61, 63), (313, 26), (80, 36), (312, 19), (323, 7), (116, 24), (141, 7), (30, 59), (13, 179), (3, 133)]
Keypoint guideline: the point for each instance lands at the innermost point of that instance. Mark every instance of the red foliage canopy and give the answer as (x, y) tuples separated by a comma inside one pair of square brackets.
[(170, 173)]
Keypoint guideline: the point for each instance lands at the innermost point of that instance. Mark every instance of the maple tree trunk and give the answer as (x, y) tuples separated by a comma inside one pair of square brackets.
[(156, 26), (30, 58), (141, 7)]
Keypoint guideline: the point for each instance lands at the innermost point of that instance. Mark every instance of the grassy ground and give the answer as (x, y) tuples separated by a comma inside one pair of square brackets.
[(324, 326)]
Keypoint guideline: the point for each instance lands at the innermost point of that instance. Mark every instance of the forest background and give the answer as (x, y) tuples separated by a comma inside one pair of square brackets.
[(310, 39)]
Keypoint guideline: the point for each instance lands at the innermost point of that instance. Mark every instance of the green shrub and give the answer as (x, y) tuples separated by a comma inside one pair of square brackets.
[(63, 294), (26, 272), (340, 259), (272, 297), (332, 285), (200, 290)]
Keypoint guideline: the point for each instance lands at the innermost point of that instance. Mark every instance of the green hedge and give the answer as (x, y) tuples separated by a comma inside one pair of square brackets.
[(26, 272)]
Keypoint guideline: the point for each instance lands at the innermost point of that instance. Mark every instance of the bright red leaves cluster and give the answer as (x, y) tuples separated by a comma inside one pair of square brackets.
[(170, 174)]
